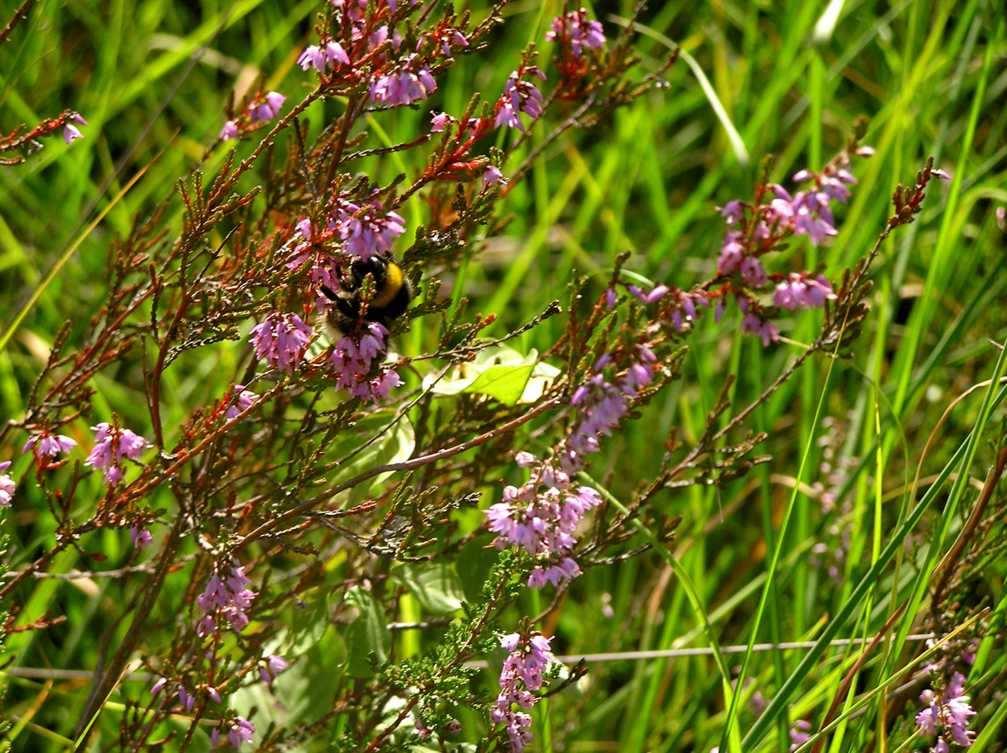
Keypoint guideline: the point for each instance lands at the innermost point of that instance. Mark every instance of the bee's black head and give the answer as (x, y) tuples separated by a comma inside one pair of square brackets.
[(391, 291)]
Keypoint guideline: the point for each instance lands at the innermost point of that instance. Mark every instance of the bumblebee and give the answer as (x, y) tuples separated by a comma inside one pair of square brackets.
[(390, 298)]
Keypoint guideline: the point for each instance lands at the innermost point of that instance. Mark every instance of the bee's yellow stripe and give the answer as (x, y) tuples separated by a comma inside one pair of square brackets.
[(394, 280)]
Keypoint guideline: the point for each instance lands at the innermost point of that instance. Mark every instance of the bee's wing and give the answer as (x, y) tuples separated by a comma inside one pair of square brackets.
[(327, 334)]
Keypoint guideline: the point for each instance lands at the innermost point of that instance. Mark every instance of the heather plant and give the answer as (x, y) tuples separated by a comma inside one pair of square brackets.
[(373, 520)]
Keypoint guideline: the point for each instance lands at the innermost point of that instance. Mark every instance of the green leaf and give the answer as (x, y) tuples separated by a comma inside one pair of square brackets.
[(498, 372), (436, 587), (303, 691), (368, 639), (475, 560), (384, 438)]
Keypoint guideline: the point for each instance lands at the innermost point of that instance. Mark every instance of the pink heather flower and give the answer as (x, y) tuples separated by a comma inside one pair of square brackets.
[(309, 247), (732, 212), (525, 459), (322, 58), (71, 133), (70, 130), (578, 31), (653, 296), (603, 404), (947, 714), (493, 176), (281, 340), (312, 57), (760, 228), (7, 485), (353, 359), (140, 536), (267, 109), (229, 131), (335, 54), (304, 248), (111, 445), (158, 686), (227, 597), (303, 227), (403, 86), (323, 274), (48, 446), (685, 311), (439, 121), (450, 39), (731, 255), (241, 401), (523, 672), (557, 574), (186, 698), (519, 96), (752, 272), (368, 230), (242, 731), (761, 328), (802, 291), (799, 733), (272, 666)]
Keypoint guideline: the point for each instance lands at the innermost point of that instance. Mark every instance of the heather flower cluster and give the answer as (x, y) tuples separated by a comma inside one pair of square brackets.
[(947, 713), (353, 360), (543, 514), (113, 445), (237, 733), (523, 672), (323, 57), (577, 31), (367, 229), (70, 130), (519, 96), (281, 340), (802, 291), (261, 110), (404, 85), (312, 249), (757, 229), (227, 598), (602, 402), (267, 108), (241, 400), (47, 447), (754, 231)]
